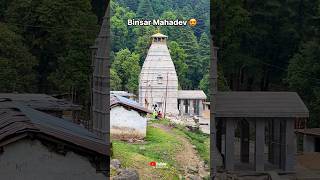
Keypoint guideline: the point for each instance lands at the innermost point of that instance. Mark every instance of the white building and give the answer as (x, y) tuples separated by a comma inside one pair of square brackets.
[(158, 84), (158, 78), (127, 118)]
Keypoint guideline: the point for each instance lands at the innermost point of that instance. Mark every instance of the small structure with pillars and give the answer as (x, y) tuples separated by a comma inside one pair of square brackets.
[(190, 102), (272, 116)]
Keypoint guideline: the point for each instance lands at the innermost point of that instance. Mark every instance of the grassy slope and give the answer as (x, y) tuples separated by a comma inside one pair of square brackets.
[(160, 147), (198, 139)]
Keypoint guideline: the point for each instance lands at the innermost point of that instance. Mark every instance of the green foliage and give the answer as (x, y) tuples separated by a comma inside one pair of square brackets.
[(303, 76), (205, 84), (143, 43), (145, 10), (59, 34), (126, 64), (161, 146), (189, 43), (120, 34), (115, 80), (16, 63), (178, 56)]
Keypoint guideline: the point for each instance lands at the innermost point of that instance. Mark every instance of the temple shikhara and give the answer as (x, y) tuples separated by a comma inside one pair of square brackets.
[(158, 84)]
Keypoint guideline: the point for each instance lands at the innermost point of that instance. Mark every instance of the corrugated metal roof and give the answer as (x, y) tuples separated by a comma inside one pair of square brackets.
[(14, 121), (123, 93), (309, 131), (191, 94), (116, 100), (260, 104), (40, 101)]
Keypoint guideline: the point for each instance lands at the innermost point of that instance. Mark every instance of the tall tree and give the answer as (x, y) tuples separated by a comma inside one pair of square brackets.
[(188, 41), (122, 36), (143, 43), (59, 34), (16, 63), (126, 64), (303, 77), (178, 56), (115, 81), (145, 10)]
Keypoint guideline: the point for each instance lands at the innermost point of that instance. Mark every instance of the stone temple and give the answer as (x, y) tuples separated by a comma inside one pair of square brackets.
[(158, 83)]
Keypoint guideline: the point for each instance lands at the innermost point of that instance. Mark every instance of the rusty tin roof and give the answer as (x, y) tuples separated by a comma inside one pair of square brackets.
[(17, 119), (40, 101), (116, 100)]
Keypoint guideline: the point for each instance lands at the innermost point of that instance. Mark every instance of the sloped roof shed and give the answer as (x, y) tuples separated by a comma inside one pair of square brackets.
[(260, 104)]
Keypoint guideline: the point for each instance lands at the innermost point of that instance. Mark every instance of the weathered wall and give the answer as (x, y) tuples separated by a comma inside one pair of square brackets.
[(126, 124), (30, 160)]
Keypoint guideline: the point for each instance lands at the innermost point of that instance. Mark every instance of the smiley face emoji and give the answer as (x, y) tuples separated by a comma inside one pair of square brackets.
[(192, 22)]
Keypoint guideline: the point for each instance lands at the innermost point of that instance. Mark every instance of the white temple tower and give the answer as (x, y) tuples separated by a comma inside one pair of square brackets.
[(158, 83)]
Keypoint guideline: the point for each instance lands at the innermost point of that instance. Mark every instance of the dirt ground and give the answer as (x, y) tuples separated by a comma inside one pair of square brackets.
[(310, 160), (187, 159)]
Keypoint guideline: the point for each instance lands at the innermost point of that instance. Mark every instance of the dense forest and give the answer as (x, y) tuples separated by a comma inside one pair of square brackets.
[(271, 45), (189, 47)]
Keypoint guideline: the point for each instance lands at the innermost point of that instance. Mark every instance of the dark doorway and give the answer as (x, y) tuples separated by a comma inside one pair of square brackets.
[(317, 144), (186, 106)]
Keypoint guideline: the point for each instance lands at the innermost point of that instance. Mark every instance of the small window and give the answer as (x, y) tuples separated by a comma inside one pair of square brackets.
[(159, 79)]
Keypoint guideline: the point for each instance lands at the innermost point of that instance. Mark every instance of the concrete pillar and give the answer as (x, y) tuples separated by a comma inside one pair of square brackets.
[(244, 141), (276, 142), (219, 134), (229, 144), (270, 140), (191, 107), (201, 107), (259, 145), (287, 148), (182, 109)]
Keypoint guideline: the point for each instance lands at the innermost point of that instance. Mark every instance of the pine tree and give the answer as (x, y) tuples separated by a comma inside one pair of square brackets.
[(145, 10), (178, 56)]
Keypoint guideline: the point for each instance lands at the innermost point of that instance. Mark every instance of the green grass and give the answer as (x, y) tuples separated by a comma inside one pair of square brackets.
[(160, 147), (198, 138)]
